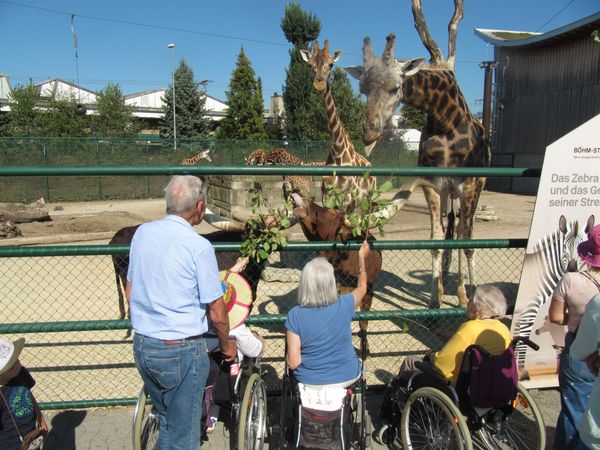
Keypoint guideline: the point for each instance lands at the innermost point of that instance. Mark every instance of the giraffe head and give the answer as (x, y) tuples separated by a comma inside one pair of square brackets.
[(381, 81), (257, 158), (321, 62)]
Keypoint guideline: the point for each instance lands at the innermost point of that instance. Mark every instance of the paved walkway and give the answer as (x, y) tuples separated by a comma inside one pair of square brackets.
[(110, 428)]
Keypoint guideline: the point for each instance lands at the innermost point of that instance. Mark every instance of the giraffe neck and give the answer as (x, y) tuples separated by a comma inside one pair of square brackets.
[(436, 93), (342, 149)]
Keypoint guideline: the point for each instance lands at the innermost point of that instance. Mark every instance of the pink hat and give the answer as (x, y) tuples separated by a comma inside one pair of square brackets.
[(589, 251), (238, 297)]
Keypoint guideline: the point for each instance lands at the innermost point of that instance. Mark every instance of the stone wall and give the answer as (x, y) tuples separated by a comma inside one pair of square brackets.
[(229, 195)]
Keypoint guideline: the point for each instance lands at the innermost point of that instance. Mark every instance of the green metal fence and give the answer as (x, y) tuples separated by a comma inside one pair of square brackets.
[(64, 299)]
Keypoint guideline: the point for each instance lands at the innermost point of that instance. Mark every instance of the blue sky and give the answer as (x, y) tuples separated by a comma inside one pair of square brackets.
[(126, 41)]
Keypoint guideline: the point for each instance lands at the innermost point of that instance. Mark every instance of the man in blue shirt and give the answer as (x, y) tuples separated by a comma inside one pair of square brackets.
[(172, 282)]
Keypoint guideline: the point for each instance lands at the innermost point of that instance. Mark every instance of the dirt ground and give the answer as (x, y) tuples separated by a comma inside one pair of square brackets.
[(97, 221)]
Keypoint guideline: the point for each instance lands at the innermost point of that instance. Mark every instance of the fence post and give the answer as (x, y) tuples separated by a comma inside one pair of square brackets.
[(147, 176), (98, 162), (46, 182)]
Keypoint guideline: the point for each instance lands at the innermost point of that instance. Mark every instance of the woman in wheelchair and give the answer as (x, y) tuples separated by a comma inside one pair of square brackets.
[(483, 328), (467, 392), (322, 360), (237, 296)]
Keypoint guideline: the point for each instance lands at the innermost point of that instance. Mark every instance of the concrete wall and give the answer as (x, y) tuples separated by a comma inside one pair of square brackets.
[(229, 195)]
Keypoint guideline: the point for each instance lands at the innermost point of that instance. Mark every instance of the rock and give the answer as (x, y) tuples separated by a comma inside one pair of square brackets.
[(21, 212), (9, 230), (282, 274)]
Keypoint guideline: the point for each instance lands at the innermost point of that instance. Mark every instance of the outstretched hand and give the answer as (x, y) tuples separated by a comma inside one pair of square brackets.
[(240, 264), (364, 250)]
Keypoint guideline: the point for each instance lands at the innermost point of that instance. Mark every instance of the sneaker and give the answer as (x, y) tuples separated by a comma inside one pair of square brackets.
[(211, 424)]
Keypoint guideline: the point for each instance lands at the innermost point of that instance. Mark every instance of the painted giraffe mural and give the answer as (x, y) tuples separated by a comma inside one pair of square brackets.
[(342, 152), (452, 137)]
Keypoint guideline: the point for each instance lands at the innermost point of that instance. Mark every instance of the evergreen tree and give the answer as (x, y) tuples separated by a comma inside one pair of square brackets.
[(191, 120), (412, 118), (349, 106), (299, 97), (244, 118), (114, 117), (22, 118)]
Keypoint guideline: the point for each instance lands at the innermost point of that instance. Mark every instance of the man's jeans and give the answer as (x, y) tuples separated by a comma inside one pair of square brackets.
[(575, 384), (174, 376)]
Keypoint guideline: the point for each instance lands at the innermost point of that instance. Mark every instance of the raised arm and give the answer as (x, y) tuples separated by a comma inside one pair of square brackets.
[(361, 289)]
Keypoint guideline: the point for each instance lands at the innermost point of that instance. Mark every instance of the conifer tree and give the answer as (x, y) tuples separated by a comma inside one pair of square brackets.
[(191, 120), (300, 99), (244, 118)]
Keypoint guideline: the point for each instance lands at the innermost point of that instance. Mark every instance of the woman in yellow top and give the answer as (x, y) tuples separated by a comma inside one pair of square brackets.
[(485, 307)]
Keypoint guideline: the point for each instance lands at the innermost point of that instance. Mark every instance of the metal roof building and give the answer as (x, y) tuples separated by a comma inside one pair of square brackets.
[(545, 86)]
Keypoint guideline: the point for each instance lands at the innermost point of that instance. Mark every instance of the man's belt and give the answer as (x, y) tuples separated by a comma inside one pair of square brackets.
[(181, 341)]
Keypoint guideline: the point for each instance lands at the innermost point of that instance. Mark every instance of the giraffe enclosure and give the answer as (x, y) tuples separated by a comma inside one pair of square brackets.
[(83, 288)]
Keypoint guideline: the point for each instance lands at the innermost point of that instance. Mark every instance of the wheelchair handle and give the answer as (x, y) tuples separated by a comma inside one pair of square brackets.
[(526, 341)]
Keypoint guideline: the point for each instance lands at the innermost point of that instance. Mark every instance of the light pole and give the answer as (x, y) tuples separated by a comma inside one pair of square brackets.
[(172, 47)]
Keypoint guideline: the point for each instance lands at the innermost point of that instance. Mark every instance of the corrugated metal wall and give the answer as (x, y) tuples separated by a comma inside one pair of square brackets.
[(542, 92)]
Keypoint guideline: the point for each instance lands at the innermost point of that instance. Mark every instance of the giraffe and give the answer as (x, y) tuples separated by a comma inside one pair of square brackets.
[(194, 159), (452, 137), (282, 157), (342, 152)]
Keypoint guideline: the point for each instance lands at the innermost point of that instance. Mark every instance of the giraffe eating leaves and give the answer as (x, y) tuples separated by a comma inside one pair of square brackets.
[(452, 137)]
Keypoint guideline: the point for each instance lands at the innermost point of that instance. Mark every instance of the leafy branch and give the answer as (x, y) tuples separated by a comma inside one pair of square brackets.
[(361, 218), (265, 227)]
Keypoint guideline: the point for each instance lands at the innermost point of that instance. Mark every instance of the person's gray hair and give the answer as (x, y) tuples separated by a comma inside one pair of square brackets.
[(489, 301), (183, 192), (317, 284)]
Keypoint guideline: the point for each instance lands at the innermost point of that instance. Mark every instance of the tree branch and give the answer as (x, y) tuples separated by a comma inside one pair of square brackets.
[(421, 26)]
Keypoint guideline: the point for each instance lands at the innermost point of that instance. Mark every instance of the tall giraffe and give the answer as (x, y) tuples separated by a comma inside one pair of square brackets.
[(452, 137), (342, 152)]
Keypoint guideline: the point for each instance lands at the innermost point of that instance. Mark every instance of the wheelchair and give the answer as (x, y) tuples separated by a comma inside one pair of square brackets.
[(243, 397), (429, 412), (345, 428)]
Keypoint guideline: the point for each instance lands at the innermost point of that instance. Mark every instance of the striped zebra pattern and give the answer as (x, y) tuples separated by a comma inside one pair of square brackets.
[(554, 255)]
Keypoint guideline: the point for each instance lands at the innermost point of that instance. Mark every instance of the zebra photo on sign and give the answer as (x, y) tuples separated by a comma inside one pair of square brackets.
[(565, 210)]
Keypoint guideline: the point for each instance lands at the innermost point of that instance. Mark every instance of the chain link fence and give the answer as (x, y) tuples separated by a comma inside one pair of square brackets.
[(47, 290), (57, 152)]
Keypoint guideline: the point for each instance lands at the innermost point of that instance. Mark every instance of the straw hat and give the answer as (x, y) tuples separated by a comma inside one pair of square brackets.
[(9, 353), (238, 297), (589, 251)]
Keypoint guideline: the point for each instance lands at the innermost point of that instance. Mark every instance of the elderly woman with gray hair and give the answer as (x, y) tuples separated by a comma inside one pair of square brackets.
[(319, 334), (485, 307)]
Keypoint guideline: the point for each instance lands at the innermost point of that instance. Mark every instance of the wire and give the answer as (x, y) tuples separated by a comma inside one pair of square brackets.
[(554, 16), (147, 25)]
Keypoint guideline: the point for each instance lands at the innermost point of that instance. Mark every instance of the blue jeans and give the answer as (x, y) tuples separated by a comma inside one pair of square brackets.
[(575, 384), (174, 376)]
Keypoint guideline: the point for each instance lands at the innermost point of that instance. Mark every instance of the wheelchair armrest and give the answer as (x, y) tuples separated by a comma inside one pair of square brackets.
[(526, 341)]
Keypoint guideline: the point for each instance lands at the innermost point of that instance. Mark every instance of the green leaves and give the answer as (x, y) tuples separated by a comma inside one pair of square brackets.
[(362, 218), (265, 229)]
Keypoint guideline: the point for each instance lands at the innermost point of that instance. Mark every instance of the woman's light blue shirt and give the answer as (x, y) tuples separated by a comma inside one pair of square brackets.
[(325, 333)]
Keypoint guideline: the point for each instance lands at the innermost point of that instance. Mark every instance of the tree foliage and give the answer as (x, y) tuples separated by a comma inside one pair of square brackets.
[(22, 117), (191, 114), (299, 27), (244, 118), (412, 118), (114, 117), (58, 119), (349, 106)]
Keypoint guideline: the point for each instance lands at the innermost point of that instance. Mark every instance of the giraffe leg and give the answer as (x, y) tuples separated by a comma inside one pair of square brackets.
[(435, 215), (468, 202)]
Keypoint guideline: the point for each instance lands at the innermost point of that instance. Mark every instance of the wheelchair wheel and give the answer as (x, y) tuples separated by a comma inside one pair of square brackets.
[(521, 428), (285, 414), (252, 424), (145, 424), (431, 420)]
